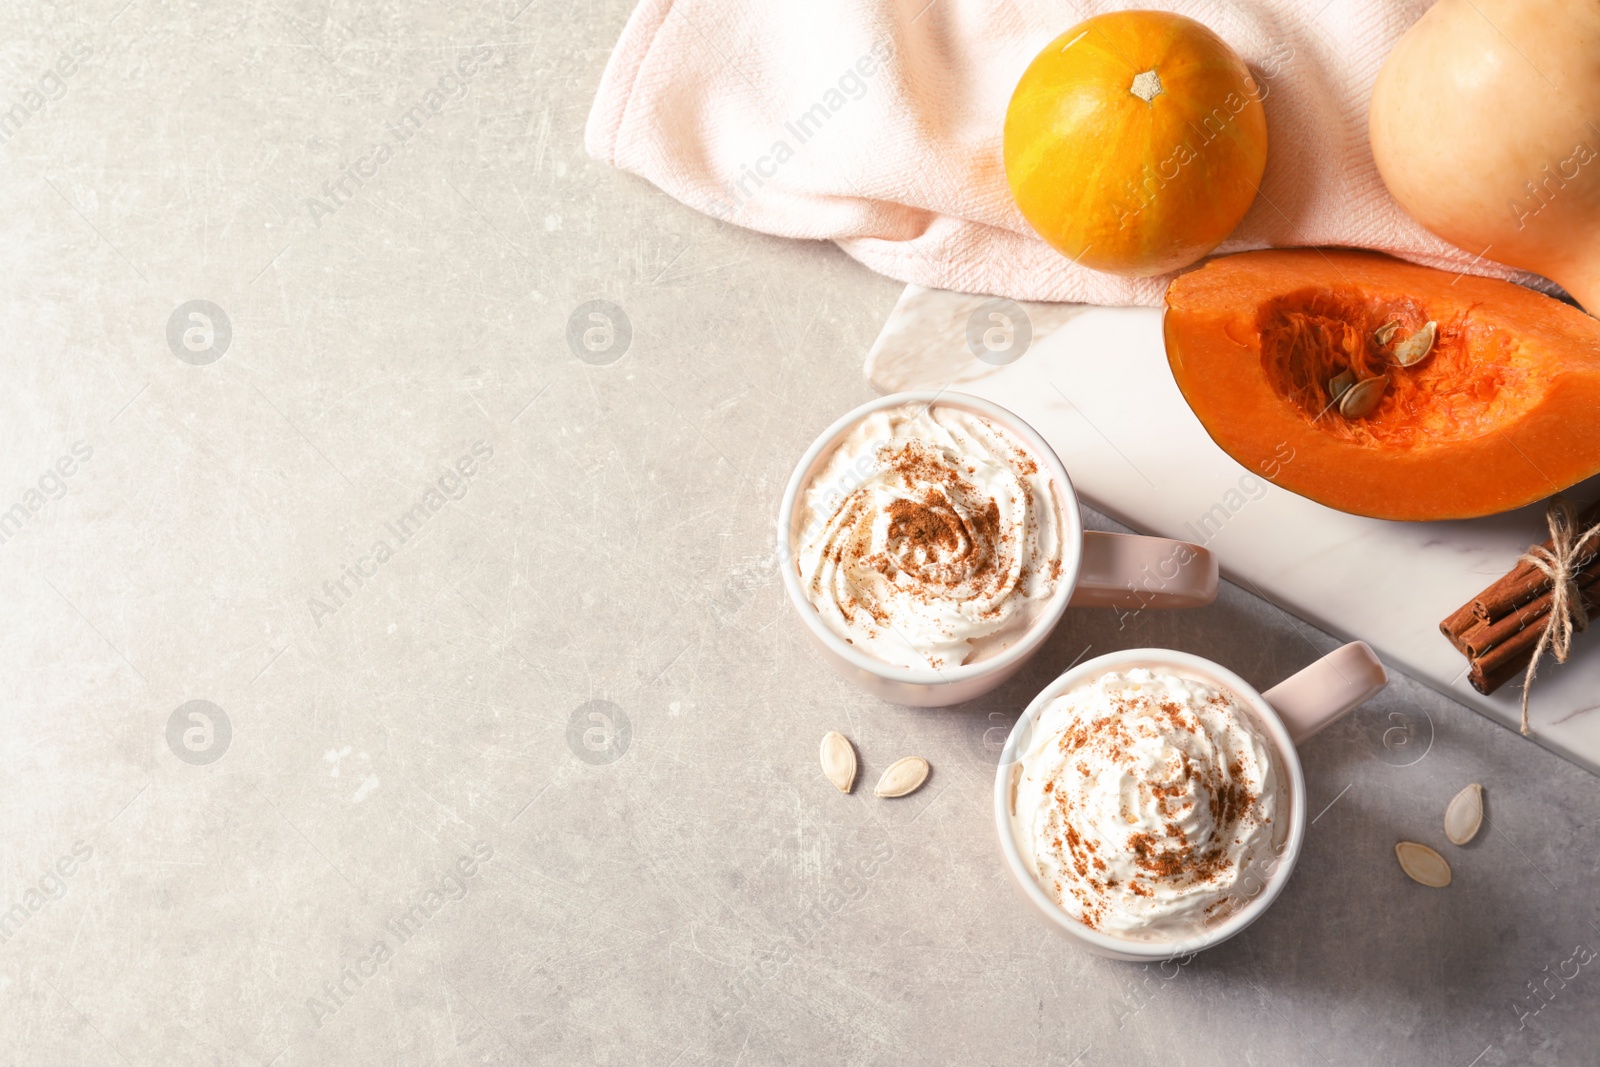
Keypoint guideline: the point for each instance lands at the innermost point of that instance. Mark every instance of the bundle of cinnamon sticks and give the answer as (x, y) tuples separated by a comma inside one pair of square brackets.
[(1498, 629)]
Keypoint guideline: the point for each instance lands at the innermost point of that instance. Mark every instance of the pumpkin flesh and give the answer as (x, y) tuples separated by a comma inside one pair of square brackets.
[(1501, 412)]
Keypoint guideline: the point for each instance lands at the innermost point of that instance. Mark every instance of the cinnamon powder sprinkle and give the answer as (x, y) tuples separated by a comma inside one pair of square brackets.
[(937, 548), (937, 544), (1168, 857)]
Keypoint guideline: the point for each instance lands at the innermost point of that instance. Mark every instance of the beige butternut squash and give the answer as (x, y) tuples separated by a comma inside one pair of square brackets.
[(1485, 124)]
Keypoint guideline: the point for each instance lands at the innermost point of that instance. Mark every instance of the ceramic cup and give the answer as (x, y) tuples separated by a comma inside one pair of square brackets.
[(1287, 714), (1097, 570)]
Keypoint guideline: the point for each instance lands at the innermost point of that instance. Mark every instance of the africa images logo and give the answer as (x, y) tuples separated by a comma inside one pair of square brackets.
[(199, 332), (453, 483), (398, 931), (52, 485), (451, 86), (599, 732), (199, 732)]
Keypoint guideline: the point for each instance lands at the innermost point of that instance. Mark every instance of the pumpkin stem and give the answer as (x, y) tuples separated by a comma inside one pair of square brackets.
[(1146, 86)]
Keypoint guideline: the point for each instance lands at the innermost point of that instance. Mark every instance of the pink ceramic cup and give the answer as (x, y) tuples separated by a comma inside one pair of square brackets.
[(1097, 570), (1288, 714)]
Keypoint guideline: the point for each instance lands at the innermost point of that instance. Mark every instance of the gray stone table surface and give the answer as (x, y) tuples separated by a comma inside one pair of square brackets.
[(393, 830)]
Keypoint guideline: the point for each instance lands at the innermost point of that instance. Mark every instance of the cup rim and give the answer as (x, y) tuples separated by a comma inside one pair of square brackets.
[(1288, 758), (1071, 535)]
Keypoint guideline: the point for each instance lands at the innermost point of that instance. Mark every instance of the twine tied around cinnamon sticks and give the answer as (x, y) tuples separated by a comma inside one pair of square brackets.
[(1560, 564), (1535, 609)]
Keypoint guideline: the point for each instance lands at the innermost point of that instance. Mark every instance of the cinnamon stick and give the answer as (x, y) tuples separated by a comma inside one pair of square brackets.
[(1483, 635), (1526, 582), (1486, 679), (1464, 618), (1500, 627), (1509, 659)]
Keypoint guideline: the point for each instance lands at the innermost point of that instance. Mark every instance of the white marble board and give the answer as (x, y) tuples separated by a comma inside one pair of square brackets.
[(1094, 381)]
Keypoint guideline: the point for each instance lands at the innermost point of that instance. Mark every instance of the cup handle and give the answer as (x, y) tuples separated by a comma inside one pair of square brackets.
[(1133, 572), (1328, 690)]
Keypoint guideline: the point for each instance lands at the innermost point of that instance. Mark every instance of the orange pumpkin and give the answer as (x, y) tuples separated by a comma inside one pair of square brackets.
[(1135, 142), (1496, 413)]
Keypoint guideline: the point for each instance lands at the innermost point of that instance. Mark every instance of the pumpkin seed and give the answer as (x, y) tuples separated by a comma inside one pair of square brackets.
[(1416, 347), (1464, 815), (838, 760), (1422, 864), (1340, 384), (1383, 334), (903, 777), (1363, 396)]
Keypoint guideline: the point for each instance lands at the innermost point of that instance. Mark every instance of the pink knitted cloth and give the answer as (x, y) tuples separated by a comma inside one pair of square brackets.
[(877, 124)]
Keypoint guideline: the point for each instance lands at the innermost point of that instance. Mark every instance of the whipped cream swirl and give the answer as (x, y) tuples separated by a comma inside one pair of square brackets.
[(1145, 804), (931, 537)]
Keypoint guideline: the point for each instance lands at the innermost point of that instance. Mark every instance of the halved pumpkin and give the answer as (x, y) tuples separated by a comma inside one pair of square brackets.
[(1504, 410)]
